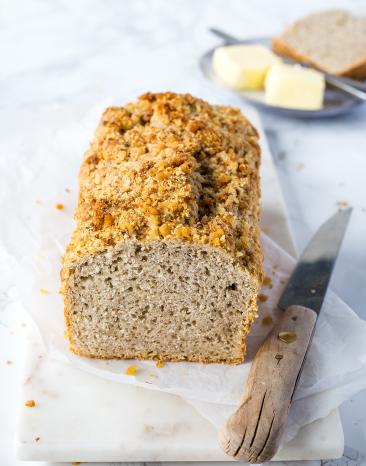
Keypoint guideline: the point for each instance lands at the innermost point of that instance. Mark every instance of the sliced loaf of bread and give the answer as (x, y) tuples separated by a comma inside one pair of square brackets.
[(165, 261), (333, 41)]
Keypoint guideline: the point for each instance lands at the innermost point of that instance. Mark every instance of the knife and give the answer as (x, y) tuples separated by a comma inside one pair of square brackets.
[(349, 86), (253, 433)]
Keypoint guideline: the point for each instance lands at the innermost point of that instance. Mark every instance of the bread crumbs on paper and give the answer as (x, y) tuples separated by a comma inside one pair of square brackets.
[(262, 297), (8, 362), (59, 206), (267, 320), (342, 204), (37, 439), (43, 291), (30, 403), (267, 281), (159, 364), (131, 370)]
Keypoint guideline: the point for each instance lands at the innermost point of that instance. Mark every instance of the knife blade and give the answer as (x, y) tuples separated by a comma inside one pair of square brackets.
[(253, 433), (309, 281)]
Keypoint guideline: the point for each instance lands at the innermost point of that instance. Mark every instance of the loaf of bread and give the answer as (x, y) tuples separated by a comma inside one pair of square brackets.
[(165, 261), (333, 41)]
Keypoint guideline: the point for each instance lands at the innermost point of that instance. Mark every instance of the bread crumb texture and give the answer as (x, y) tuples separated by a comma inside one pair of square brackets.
[(30, 403), (170, 167)]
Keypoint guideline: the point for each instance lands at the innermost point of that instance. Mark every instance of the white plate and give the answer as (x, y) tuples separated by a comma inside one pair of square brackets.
[(335, 102)]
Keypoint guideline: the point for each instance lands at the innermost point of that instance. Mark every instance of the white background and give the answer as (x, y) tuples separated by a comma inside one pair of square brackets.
[(66, 60)]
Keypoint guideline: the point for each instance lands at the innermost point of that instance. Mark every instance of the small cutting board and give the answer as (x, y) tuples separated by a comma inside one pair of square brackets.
[(81, 417)]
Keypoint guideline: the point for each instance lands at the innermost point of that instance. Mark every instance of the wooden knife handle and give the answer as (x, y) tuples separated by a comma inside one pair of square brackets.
[(253, 433)]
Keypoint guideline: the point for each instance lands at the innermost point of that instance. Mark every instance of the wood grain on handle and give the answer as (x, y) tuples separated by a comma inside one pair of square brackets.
[(254, 431)]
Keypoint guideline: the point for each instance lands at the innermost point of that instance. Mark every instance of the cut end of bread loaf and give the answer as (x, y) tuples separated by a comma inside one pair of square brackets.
[(333, 41), (165, 261), (161, 300)]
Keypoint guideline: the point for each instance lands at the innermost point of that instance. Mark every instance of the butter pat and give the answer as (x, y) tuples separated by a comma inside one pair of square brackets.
[(243, 66), (294, 86)]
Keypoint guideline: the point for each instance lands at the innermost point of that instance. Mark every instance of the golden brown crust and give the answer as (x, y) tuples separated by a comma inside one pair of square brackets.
[(169, 167)]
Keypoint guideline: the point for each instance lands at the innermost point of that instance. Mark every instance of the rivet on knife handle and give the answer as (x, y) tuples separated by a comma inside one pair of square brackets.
[(254, 431)]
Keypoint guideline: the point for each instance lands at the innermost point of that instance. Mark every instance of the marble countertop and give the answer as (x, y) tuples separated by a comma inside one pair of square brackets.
[(65, 60)]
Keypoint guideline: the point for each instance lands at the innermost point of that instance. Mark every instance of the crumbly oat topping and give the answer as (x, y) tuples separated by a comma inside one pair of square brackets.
[(262, 297), (267, 281), (131, 370), (267, 320), (170, 167)]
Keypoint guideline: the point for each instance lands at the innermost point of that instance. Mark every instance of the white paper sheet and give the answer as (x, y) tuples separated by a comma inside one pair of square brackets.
[(33, 240)]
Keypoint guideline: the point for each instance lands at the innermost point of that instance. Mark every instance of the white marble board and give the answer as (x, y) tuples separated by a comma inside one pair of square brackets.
[(80, 417)]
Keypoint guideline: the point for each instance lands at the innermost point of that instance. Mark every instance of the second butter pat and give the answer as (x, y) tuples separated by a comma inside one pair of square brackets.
[(243, 66), (294, 87)]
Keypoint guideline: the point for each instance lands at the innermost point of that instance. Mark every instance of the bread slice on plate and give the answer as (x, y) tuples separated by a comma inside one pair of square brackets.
[(165, 261), (333, 41)]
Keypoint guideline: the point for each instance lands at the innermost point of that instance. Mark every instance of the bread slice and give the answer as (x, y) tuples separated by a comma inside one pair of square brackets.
[(333, 41), (165, 260)]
